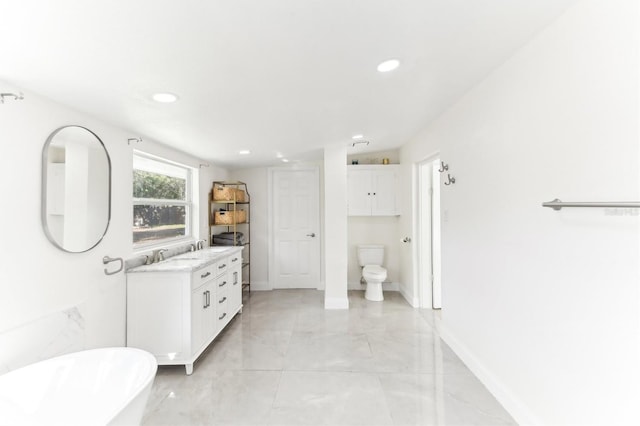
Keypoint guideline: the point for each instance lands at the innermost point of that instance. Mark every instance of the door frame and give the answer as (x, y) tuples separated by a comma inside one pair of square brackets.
[(270, 218), (428, 274)]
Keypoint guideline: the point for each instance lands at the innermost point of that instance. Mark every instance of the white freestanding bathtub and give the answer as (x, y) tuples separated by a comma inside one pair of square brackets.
[(107, 386)]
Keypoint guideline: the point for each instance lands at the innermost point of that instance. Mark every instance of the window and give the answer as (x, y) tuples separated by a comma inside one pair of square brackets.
[(162, 202)]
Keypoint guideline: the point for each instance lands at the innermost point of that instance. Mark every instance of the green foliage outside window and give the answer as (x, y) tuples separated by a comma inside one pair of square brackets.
[(154, 221), (153, 185)]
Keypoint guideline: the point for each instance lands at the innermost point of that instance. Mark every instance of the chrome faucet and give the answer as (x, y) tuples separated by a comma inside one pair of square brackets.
[(192, 247), (200, 244), (157, 255)]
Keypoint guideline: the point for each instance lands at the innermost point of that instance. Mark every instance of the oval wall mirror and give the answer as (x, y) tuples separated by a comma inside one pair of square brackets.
[(76, 189)]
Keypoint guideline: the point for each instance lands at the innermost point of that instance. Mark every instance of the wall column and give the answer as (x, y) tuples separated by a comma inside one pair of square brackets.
[(335, 235)]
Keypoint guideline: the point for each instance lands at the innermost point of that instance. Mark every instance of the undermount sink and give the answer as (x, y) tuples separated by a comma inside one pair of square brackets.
[(201, 254)]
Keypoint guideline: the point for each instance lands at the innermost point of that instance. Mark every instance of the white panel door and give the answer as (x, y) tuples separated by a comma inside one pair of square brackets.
[(296, 229)]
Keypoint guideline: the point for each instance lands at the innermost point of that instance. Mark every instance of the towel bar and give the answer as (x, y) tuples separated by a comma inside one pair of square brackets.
[(559, 204)]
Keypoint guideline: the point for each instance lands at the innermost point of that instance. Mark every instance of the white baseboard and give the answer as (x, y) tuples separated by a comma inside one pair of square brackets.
[(386, 286), (509, 401), (336, 303), (260, 286), (413, 301)]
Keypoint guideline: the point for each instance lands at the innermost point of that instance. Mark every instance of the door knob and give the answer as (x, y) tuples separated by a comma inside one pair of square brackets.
[(312, 235)]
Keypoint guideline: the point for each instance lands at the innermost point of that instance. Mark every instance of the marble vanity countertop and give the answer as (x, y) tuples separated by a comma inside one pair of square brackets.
[(188, 262)]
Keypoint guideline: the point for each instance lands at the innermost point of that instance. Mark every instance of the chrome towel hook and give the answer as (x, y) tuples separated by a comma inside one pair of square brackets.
[(107, 260)]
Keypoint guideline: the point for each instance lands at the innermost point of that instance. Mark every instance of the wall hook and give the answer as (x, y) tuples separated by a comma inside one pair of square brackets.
[(450, 180), (443, 167), (13, 95), (136, 140)]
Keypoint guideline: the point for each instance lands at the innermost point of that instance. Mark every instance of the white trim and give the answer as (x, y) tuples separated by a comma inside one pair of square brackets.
[(386, 286), (270, 234), (413, 301), (260, 286), (424, 292), (190, 203), (336, 303), (168, 244), (515, 407)]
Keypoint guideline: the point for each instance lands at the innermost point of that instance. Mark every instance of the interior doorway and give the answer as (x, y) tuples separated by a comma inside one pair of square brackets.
[(294, 252), (429, 264)]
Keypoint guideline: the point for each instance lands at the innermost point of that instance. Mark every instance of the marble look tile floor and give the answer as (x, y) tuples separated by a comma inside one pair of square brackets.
[(287, 361)]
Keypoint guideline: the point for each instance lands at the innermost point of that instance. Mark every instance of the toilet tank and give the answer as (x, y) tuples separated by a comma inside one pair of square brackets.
[(372, 254)]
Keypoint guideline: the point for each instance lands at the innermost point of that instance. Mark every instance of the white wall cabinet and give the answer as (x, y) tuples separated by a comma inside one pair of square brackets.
[(175, 315), (372, 190)]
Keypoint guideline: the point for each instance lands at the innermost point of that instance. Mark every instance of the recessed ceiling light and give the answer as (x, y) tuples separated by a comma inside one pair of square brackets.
[(389, 65), (244, 152), (284, 160), (165, 98), (356, 137), (278, 155)]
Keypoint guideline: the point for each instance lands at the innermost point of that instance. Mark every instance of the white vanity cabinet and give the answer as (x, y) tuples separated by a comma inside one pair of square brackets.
[(372, 190), (177, 308)]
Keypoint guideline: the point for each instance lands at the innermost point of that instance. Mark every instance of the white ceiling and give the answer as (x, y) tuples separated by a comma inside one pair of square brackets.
[(272, 76)]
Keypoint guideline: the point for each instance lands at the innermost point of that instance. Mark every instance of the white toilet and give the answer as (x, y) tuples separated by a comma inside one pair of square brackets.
[(370, 257)]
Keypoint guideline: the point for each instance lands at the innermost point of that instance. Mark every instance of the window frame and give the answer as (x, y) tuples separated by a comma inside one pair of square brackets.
[(188, 202)]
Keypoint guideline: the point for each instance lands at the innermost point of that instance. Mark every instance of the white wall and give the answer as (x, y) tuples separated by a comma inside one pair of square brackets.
[(335, 227), (375, 157), (257, 180), (374, 230), (257, 185), (544, 305), (53, 302)]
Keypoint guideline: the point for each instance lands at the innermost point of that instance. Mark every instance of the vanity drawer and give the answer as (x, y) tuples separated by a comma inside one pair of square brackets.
[(235, 259), (223, 282), (203, 275), (222, 265), (222, 309)]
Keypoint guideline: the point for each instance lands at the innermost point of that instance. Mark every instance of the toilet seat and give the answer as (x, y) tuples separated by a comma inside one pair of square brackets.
[(374, 272)]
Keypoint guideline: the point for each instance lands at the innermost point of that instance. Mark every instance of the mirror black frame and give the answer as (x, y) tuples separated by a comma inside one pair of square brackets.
[(43, 212)]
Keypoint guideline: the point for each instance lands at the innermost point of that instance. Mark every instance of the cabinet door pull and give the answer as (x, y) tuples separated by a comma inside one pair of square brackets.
[(224, 265), (223, 315), (204, 301), (223, 284), (235, 278), (205, 275), (222, 300), (235, 259)]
